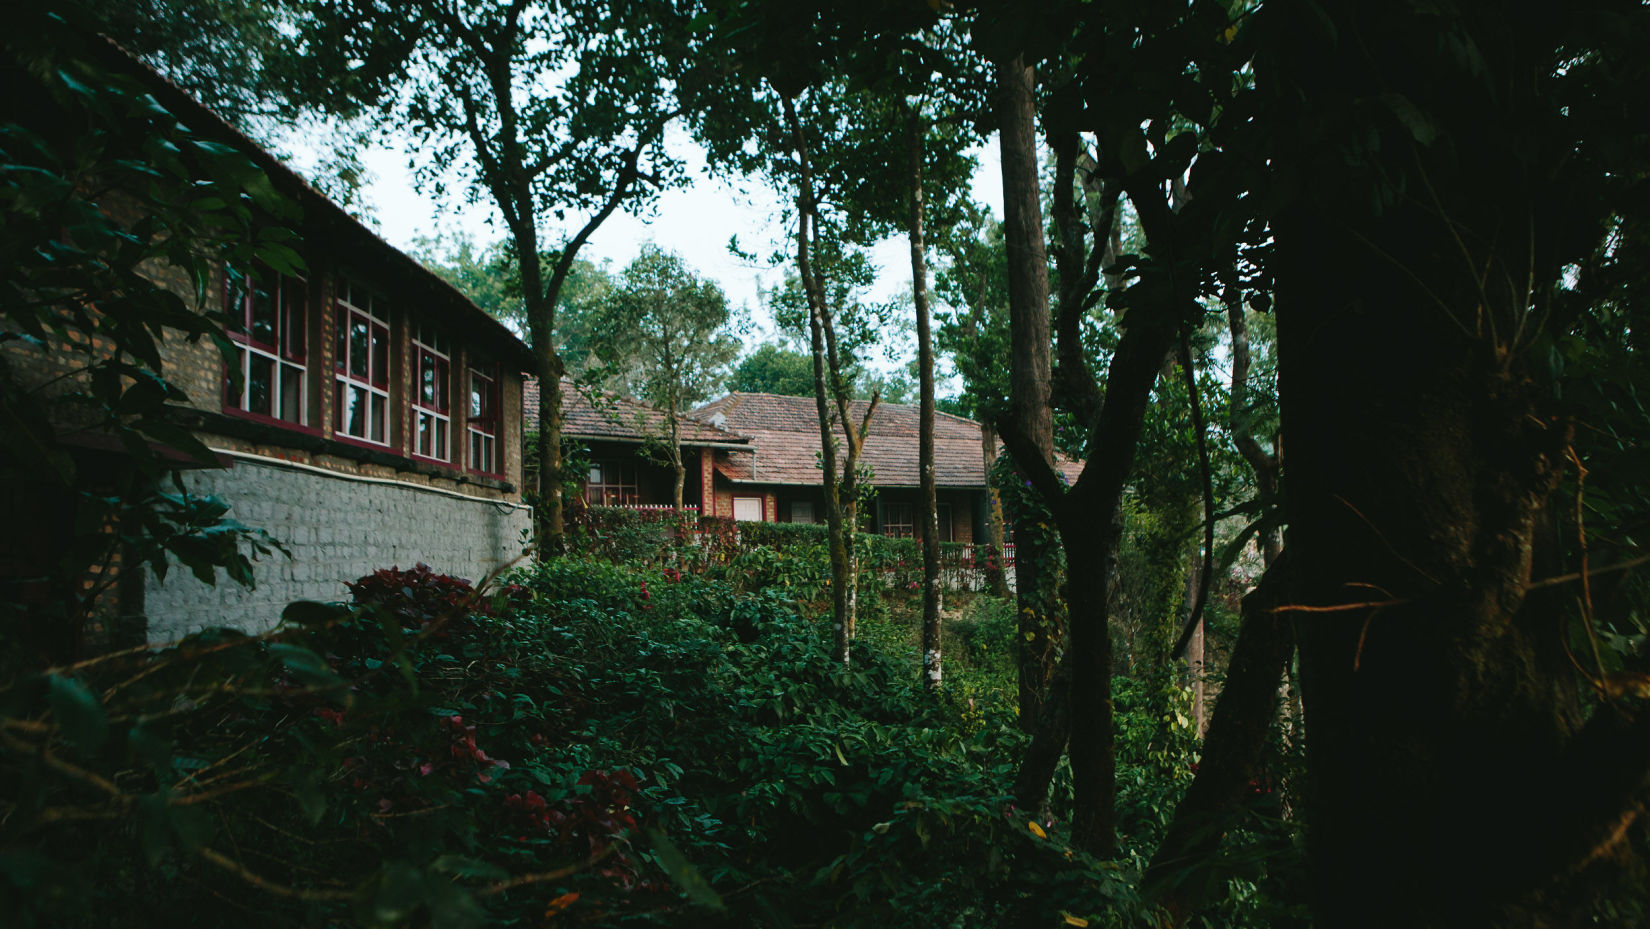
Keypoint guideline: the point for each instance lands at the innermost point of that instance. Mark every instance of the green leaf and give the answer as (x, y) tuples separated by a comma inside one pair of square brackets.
[(462, 866), (681, 871), (304, 664), (313, 613), (1413, 119), (78, 713)]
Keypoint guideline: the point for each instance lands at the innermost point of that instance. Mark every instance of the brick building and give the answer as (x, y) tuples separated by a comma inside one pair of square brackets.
[(753, 456), (376, 419)]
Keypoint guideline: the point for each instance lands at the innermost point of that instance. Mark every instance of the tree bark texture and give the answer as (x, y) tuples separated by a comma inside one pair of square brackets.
[(932, 669), (1447, 748), (1030, 370)]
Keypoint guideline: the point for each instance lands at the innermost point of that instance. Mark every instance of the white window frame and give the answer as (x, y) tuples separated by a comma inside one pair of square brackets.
[(285, 366), (761, 509), (430, 418), (482, 447), (357, 302)]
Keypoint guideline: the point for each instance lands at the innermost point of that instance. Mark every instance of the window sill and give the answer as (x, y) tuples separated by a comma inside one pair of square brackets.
[(303, 439)]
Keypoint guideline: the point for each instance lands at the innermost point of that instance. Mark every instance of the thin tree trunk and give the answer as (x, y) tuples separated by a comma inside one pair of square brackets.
[(996, 579), (551, 529), (932, 670), (676, 463), (839, 514), (1179, 877), (1264, 465), (1195, 645)]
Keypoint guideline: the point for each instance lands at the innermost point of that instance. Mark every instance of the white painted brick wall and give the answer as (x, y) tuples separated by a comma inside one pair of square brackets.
[(337, 530)]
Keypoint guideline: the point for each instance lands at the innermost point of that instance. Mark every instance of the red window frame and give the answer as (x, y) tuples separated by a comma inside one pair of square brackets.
[(361, 366), (484, 430), (268, 316)]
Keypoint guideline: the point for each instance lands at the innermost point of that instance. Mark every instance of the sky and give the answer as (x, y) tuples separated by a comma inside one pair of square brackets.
[(695, 222)]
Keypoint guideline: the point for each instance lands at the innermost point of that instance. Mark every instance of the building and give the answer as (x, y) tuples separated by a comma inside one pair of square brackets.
[(756, 457), (621, 438), (376, 419)]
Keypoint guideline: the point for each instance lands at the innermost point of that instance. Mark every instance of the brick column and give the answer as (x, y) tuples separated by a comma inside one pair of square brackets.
[(707, 481)]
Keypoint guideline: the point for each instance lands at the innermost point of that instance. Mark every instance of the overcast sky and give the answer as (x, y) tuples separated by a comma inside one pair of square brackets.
[(696, 222)]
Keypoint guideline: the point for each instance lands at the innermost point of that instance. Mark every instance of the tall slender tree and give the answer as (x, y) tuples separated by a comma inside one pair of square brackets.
[(556, 112)]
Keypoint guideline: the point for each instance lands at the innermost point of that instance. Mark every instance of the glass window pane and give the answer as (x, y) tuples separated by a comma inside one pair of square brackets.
[(264, 313), (260, 385), (379, 417), (292, 393), (441, 440), (232, 392), (358, 355), (380, 356), (355, 416), (235, 300), (292, 314), (340, 351)]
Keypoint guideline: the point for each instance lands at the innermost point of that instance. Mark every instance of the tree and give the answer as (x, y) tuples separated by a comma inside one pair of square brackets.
[(237, 57), (85, 400), (773, 369), (1427, 444), (670, 326), (549, 110), (1111, 137)]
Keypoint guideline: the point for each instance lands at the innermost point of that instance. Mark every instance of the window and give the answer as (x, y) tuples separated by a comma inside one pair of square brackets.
[(361, 365), (432, 401), (943, 511), (898, 521), (483, 427), (802, 511), (747, 509), (266, 323), (612, 483)]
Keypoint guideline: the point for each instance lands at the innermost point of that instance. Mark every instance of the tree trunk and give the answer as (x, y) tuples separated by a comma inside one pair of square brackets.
[(1030, 370), (1448, 752), (932, 670), (996, 579), (1089, 545), (840, 513), (550, 527), (678, 467), (1180, 876), (1193, 657)]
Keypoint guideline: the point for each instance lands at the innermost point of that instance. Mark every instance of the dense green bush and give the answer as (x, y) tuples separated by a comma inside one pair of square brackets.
[(590, 743)]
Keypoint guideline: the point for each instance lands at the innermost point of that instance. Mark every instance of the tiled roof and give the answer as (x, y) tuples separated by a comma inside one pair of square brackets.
[(785, 433), (615, 417)]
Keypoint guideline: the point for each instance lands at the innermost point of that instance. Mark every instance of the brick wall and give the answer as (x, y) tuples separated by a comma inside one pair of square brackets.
[(337, 531)]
